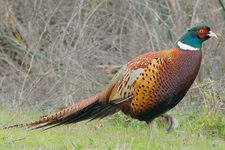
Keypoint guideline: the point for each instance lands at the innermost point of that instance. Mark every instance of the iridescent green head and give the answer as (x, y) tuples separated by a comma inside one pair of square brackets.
[(194, 38)]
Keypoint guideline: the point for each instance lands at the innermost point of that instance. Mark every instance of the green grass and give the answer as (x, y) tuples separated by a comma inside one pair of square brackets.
[(114, 133)]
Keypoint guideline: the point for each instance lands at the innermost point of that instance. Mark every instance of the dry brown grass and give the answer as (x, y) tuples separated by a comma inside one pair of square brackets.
[(85, 35)]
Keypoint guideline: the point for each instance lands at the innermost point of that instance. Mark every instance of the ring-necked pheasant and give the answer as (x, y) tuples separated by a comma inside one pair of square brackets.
[(145, 88)]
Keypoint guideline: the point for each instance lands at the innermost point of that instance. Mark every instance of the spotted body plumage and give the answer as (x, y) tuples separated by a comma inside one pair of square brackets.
[(159, 83), (145, 88)]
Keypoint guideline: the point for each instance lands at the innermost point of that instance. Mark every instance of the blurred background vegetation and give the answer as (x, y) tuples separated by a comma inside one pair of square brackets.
[(66, 46)]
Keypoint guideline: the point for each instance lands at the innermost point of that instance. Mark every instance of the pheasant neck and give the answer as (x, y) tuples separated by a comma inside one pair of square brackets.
[(186, 47)]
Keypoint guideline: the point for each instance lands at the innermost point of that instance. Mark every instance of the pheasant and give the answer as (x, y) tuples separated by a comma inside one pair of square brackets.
[(145, 88)]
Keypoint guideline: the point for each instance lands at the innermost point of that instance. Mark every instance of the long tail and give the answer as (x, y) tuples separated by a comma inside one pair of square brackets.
[(90, 109)]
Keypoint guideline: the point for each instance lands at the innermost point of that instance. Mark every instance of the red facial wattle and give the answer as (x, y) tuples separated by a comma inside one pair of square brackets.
[(201, 32)]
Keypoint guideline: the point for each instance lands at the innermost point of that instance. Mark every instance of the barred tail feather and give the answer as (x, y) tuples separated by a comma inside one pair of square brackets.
[(90, 108)]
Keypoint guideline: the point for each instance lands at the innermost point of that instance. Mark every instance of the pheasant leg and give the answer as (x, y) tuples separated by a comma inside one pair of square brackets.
[(169, 121)]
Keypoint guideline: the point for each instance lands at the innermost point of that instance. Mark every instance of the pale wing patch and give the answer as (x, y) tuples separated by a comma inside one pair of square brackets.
[(122, 89)]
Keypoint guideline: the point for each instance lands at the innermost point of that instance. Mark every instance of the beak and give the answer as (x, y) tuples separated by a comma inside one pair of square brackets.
[(212, 34)]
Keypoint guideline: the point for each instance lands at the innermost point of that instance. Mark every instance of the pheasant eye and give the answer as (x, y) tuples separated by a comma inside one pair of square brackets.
[(201, 31)]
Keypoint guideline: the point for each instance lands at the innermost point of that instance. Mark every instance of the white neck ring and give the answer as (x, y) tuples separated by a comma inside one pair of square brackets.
[(186, 47)]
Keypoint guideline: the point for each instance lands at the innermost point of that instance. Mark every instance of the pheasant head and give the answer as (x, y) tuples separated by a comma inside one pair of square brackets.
[(194, 38)]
